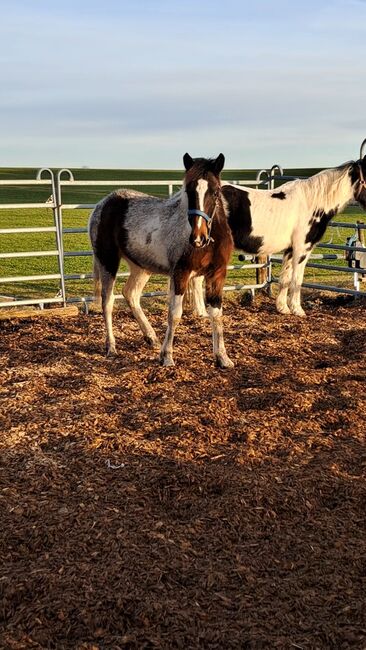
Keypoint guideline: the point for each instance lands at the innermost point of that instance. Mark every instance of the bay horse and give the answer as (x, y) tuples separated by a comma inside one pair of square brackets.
[(211, 247), (293, 219), (156, 235)]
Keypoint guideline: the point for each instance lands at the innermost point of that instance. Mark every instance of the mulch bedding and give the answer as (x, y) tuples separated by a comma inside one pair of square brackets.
[(188, 507)]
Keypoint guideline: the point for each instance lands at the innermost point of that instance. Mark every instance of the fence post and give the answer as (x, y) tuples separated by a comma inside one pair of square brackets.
[(58, 232), (361, 237), (263, 275), (60, 224)]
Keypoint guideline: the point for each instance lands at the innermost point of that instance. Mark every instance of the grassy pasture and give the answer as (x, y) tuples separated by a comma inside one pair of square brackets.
[(17, 218)]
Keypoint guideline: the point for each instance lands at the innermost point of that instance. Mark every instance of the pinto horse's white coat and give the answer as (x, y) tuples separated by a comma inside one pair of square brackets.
[(292, 219)]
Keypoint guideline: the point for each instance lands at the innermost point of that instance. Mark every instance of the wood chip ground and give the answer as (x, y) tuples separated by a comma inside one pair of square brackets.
[(189, 507)]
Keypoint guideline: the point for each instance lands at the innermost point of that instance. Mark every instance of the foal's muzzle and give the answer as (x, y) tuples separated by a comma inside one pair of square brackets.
[(198, 242), (201, 240)]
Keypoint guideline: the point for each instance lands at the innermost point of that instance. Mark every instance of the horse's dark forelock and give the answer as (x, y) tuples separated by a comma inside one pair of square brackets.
[(200, 169)]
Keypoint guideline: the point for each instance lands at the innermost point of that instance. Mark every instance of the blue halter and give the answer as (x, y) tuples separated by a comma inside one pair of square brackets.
[(201, 214)]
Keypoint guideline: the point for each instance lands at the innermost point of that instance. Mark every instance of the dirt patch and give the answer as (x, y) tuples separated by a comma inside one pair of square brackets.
[(144, 507)]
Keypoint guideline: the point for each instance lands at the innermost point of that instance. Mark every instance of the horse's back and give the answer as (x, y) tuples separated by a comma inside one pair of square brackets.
[(143, 229), (262, 221)]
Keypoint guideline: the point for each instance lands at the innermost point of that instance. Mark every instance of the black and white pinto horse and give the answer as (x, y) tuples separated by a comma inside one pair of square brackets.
[(292, 219), (162, 236)]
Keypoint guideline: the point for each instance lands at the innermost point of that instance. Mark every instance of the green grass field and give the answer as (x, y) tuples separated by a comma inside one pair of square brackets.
[(16, 218)]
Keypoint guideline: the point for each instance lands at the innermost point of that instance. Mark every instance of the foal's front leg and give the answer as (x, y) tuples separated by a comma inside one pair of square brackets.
[(177, 289), (214, 292)]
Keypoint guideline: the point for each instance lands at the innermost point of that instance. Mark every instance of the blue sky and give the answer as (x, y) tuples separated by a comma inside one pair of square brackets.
[(136, 84)]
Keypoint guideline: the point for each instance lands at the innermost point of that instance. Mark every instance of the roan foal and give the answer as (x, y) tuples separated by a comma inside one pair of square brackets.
[(153, 236)]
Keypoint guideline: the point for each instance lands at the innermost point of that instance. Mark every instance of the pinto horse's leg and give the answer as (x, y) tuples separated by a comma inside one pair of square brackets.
[(284, 280), (178, 285), (132, 291), (299, 262), (107, 284), (214, 303)]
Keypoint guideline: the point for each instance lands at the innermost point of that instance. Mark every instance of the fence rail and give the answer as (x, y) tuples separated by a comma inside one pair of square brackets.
[(56, 204)]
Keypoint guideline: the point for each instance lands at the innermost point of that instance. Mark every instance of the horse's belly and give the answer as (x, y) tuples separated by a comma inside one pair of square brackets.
[(149, 253), (275, 243)]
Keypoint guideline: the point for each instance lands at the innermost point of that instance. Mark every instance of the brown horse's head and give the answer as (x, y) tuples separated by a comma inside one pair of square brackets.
[(203, 187)]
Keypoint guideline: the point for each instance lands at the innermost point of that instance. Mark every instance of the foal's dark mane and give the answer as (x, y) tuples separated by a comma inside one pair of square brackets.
[(200, 169)]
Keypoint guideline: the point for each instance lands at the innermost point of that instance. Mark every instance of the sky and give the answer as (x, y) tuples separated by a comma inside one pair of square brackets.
[(136, 84)]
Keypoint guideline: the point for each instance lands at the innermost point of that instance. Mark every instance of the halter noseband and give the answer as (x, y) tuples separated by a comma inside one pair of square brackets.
[(206, 217)]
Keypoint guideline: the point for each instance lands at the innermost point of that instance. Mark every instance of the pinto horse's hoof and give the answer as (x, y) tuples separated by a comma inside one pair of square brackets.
[(283, 309), (111, 353)]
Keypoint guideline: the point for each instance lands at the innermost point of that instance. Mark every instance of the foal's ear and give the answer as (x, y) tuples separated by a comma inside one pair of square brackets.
[(188, 161), (219, 163)]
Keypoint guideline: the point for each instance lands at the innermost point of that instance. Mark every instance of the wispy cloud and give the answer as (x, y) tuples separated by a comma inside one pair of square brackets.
[(136, 83)]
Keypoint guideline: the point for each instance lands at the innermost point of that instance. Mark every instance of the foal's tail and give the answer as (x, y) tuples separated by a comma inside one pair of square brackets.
[(97, 281)]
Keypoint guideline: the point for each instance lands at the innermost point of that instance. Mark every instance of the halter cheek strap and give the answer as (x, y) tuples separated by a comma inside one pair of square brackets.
[(206, 217), (362, 178)]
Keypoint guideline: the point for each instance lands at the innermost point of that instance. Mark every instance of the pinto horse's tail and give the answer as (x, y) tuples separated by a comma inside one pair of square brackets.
[(97, 281)]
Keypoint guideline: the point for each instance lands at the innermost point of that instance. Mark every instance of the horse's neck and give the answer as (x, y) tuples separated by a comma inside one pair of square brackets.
[(221, 219), (329, 190)]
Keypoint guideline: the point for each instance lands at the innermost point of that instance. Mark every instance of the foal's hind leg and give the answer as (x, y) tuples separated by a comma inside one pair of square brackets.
[(284, 281), (214, 289), (107, 282), (132, 291)]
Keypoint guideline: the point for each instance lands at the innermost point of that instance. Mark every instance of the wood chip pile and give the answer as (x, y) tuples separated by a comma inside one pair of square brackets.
[(188, 507)]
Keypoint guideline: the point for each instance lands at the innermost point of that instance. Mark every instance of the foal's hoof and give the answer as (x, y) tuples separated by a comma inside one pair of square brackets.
[(152, 342), (166, 361), (224, 362), (111, 353)]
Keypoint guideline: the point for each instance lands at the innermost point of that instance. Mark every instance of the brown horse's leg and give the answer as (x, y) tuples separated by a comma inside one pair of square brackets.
[(132, 291), (214, 290)]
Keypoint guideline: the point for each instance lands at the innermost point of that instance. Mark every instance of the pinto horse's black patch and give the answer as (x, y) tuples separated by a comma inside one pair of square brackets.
[(240, 220), (279, 195), (318, 225), (288, 253), (107, 249)]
